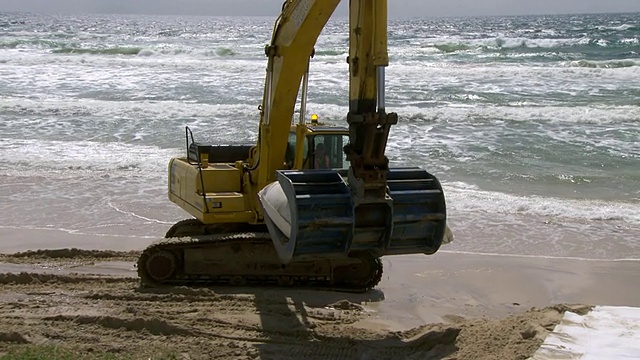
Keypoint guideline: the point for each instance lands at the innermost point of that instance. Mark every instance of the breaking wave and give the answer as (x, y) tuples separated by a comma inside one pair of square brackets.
[(611, 64), (224, 52), (146, 51), (31, 43), (107, 51), (558, 46), (452, 47), (330, 52)]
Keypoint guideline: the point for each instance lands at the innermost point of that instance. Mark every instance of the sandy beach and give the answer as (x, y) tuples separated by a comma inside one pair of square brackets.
[(449, 305)]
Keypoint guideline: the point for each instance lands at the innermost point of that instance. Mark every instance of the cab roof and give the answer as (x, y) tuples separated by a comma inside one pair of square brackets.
[(325, 128)]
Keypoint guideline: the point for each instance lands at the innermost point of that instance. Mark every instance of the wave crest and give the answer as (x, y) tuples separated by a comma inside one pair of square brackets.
[(224, 52), (330, 52), (452, 47), (609, 64), (106, 51), (589, 46), (140, 51), (32, 43)]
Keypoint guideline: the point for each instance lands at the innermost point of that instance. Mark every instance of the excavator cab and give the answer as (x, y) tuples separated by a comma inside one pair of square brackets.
[(321, 148)]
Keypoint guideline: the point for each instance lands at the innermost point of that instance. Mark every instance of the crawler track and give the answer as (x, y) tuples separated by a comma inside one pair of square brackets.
[(196, 254)]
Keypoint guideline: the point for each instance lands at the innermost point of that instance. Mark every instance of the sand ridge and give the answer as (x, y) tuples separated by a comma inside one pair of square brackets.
[(32, 256)]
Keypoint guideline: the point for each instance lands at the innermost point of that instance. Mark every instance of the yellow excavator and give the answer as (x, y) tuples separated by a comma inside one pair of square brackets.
[(287, 211)]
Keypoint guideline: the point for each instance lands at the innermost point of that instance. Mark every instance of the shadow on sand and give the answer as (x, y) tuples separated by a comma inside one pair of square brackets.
[(315, 324)]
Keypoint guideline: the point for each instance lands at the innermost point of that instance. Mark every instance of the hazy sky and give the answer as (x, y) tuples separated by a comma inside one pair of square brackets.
[(397, 8)]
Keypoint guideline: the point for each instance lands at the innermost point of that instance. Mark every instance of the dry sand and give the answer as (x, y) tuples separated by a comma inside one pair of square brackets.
[(444, 306)]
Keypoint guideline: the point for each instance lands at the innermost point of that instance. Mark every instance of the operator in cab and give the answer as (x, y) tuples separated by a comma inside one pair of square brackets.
[(321, 157)]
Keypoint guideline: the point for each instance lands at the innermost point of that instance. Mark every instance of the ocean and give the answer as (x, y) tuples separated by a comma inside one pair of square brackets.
[(532, 123)]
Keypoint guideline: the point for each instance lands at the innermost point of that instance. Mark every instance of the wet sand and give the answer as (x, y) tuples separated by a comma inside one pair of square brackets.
[(444, 305)]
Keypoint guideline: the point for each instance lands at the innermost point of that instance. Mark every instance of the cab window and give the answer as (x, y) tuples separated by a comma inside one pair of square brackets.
[(325, 152)]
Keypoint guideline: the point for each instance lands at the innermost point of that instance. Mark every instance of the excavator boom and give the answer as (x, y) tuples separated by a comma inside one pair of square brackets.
[(294, 37)]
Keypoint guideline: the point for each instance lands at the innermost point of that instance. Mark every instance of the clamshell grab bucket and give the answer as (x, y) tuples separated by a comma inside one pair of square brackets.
[(311, 214)]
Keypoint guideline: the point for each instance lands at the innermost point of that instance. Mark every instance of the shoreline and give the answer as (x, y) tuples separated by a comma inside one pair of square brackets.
[(14, 240)]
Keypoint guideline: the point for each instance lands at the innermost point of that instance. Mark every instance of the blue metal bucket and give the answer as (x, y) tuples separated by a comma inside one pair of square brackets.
[(312, 214)]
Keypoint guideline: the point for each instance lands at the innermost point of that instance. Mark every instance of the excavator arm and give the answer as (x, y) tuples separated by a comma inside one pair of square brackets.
[(371, 208), (368, 126)]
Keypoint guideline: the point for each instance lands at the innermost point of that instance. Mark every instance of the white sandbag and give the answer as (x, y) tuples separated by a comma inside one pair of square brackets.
[(605, 333)]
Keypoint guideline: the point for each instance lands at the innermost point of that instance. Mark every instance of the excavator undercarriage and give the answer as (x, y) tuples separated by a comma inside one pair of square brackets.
[(196, 254)]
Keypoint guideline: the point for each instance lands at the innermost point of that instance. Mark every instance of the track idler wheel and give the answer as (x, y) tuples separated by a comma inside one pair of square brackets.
[(158, 266)]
